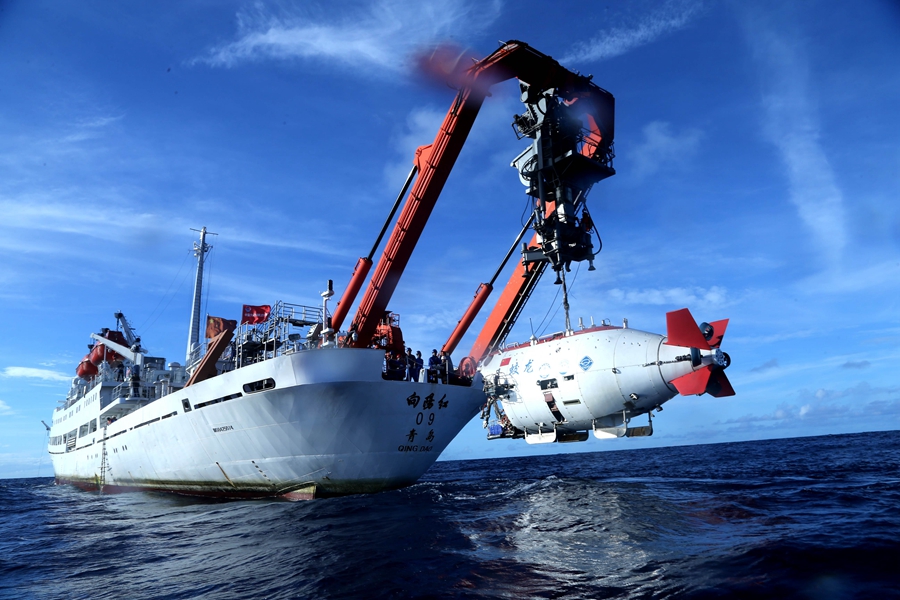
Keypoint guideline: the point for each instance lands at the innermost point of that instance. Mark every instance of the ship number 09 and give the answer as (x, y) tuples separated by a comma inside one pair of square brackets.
[(421, 417)]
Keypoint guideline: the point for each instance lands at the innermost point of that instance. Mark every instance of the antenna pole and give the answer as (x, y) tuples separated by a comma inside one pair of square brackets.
[(200, 251)]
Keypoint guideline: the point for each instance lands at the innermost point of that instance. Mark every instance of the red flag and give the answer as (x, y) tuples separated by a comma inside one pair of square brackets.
[(255, 314), (216, 325)]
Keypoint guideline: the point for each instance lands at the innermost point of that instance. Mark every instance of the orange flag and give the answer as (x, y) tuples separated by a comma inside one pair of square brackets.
[(216, 325)]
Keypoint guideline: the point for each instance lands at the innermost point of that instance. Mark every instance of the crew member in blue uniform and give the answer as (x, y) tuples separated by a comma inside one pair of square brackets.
[(434, 366)]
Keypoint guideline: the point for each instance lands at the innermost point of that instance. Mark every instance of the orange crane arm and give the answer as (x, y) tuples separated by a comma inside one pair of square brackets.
[(510, 303), (435, 161)]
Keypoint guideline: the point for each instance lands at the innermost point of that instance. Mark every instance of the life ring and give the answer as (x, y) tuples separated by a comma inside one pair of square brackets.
[(467, 367)]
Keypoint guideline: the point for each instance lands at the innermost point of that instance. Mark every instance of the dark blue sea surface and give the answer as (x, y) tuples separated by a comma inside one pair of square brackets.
[(799, 518)]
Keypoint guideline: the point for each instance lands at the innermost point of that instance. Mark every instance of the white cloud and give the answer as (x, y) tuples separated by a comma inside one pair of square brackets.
[(95, 122), (787, 374), (791, 125), (614, 42), (779, 336), (697, 296), (381, 35), (80, 207), (84, 213), (5, 409), (33, 373), (884, 276), (85, 129), (442, 321), (14, 465), (827, 406), (421, 126), (661, 146)]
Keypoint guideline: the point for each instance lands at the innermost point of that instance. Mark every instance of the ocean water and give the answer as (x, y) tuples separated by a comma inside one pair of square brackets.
[(800, 518)]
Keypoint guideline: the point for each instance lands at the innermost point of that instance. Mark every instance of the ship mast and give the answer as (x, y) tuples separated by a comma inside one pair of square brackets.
[(200, 251)]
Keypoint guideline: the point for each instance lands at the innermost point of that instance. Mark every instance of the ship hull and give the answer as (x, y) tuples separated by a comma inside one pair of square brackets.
[(330, 426)]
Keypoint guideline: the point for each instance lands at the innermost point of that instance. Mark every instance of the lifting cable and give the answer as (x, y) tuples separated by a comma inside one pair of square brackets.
[(163, 297)]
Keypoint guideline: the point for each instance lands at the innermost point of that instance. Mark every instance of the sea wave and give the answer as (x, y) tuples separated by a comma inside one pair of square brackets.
[(807, 517)]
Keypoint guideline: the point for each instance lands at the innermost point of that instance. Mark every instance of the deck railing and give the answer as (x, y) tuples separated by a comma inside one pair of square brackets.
[(289, 328)]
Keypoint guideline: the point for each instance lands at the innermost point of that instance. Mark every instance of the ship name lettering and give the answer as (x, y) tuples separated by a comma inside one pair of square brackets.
[(223, 428), (417, 448)]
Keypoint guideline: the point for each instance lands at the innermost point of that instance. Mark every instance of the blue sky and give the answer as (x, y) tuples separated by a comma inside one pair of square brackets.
[(758, 176)]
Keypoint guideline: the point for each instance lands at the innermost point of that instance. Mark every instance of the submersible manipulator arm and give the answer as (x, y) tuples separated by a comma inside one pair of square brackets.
[(435, 161)]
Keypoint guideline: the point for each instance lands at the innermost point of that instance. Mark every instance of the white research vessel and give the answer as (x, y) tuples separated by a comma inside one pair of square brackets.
[(288, 414)]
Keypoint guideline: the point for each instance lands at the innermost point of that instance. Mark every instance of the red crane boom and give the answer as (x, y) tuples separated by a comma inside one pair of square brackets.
[(435, 161)]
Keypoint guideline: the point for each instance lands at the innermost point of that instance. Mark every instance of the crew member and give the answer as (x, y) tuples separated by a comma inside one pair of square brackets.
[(420, 364), (446, 366), (395, 370), (135, 381), (434, 365), (411, 372)]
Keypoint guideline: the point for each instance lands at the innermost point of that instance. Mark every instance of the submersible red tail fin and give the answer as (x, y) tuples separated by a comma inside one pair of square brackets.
[(694, 382), (710, 378), (718, 332), (682, 330), (718, 385)]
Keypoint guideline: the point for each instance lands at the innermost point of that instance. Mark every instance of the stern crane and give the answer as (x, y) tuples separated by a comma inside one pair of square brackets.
[(570, 121)]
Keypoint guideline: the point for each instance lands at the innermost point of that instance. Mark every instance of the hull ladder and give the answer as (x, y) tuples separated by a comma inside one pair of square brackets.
[(104, 466)]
